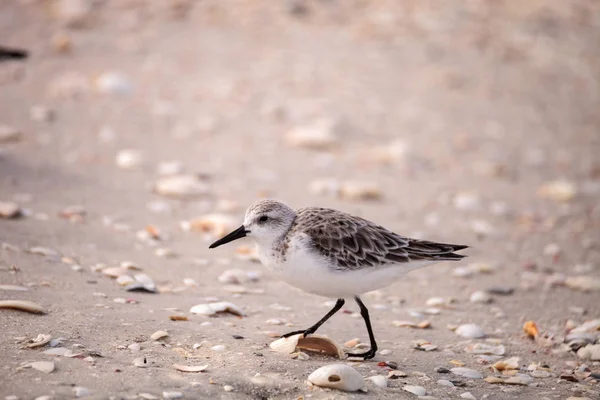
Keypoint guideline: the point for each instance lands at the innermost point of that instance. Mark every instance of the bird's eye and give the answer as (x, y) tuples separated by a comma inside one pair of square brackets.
[(263, 218)]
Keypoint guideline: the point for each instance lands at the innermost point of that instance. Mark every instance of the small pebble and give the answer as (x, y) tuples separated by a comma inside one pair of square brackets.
[(468, 396), (501, 290), (442, 370), (228, 388), (445, 382), (218, 347)]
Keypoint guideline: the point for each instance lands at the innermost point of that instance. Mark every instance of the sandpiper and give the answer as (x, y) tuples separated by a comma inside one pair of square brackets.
[(334, 254)]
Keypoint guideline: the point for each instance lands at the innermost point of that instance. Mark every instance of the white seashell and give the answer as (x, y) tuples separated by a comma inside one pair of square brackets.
[(379, 381), (80, 391), (359, 190), (125, 280), (418, 390), (141, 362), (190, 368), (589, 352), (172, 395), (482, 348), (44, 251), (319, 135), (480, 296), (113, 83), (14, 288), (181, 186), (159, 335), (470, 331), (312, 343), (23, 305), (509, 363), (41, 340), (518, 379), (43, 366), (129, 158), (338, 376), (468, 396), (216, 308), (57, 351), (216, 225), (466, 373), (9, 210)]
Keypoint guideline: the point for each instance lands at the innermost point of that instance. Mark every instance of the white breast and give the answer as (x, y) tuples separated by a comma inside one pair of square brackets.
[(311, 272)]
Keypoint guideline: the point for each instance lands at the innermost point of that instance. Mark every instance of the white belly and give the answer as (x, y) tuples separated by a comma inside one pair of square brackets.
[(311, 273)]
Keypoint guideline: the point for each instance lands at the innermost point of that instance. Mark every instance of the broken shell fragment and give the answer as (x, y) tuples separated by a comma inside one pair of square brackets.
[(159, 335), (531, 329), (508, 364), (23, 305), (216, 225), (9, 210), (482, 348), (190, 368), (41, 340), (337, 376), (312, 343), (219, 307), (43, 366), (181, 187)]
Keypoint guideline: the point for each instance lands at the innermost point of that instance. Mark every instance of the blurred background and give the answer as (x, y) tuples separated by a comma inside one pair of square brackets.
[(472, 122)]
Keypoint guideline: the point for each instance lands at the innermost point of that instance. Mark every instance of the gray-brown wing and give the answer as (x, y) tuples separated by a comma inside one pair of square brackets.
[(352, 242)]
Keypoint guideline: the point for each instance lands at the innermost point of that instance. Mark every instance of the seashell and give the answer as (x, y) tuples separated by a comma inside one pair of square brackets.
[(114, 272), (217, 225), (14, 288), (410, 324), (585, 283), (23, 305), (43, 366), (141, 362), (181, 186), (482, 348), (129, 158), (560, 190), (125, 280), (508, 364), (480, 296), (217, 308), (9, 210), (319, 135), (424, 345), (379, 381), (466, 373), (142, 283), (531, 329), (159, 335), (338, 376), (111, 82), (358, 190), (57, 351), (589, 352), (519, 379), (418, 390), (190, 368), (44, 251), (312, 343), (41, 340), (470, 331)]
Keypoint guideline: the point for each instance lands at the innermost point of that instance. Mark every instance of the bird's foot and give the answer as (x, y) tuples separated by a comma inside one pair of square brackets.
[(367, 355), (304, 332)]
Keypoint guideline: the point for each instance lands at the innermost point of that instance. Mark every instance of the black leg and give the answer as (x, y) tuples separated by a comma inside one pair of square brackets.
[(365, 314), (338, 304)]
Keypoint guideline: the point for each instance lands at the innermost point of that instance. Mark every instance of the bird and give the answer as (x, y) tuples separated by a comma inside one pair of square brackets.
[(334, 254)]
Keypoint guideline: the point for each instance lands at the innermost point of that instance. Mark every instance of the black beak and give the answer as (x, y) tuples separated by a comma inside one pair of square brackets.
[(237, 234)]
